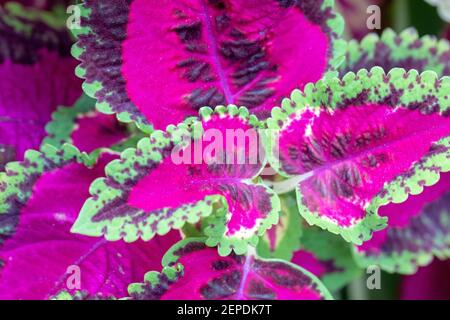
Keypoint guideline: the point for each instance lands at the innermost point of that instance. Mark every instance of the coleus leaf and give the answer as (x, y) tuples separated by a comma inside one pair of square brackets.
[(149, 191), (327, 256), (193, 271), (419, 229), (346, 145), (36, 77), (404, 50), (208, 53), (84, 127), (39, 256)]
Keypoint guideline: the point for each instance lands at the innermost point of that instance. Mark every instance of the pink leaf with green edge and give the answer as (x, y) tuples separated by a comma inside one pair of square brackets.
[(150, 192), (36, 77), (346, 145), (208, 53), (419, 229), (84, 127), (39, 254), (193, 271), (404, 50)]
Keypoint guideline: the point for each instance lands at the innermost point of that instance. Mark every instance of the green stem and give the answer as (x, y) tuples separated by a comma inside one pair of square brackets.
[(357, 290), (401, 15), (288, 185)]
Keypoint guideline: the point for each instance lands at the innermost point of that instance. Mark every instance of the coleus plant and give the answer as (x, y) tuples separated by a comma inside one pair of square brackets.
[(324, 183), (208, 52)]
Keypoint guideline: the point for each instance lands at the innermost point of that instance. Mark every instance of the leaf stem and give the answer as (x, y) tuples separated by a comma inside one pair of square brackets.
[(357, 290), (401, 15), (251, 253), (285, 186)]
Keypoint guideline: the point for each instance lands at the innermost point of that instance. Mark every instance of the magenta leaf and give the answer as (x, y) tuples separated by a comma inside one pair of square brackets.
[(404, 50), (310, 262), (36, 77), (193, 271), (346, 145), (208, 53), (39, 255), (429, 283), (419, 229), (84, 127), (149, 191)]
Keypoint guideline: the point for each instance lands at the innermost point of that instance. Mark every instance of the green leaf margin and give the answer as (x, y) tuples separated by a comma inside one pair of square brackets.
[(405, 45), (63, 123)]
